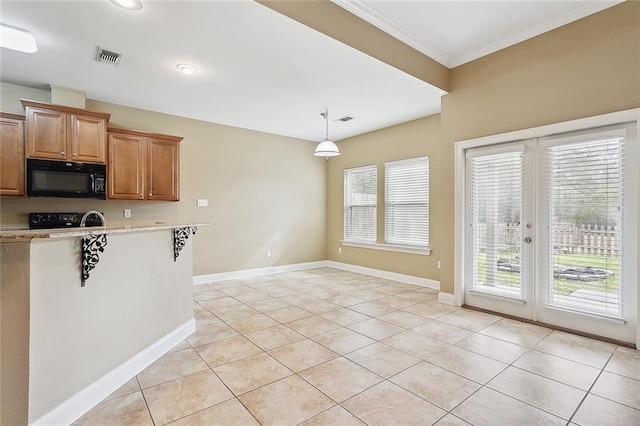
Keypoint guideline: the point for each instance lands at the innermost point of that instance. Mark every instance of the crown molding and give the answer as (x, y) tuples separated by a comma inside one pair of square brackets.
[(360, 9), (389, 26), (536, 30)]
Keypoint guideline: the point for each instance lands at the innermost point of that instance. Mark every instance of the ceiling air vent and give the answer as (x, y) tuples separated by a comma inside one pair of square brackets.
[(345, 118), (108, 57)]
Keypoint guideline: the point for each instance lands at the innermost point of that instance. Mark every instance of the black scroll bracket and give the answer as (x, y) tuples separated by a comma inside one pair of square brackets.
[(92, 244), (180, 236)]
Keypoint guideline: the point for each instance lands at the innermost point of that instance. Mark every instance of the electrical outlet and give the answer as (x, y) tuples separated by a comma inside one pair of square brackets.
[(339, 250), (203, 202), (438, 264), (127, 212), (268, 253)]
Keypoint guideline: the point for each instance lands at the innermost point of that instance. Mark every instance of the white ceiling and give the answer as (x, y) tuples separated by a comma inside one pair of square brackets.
[(455, 32), (258, 69)]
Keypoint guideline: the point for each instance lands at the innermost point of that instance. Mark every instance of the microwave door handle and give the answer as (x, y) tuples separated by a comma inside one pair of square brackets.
[(93, 183)]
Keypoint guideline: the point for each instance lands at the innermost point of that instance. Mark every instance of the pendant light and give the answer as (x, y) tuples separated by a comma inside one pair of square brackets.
[(326, 148)]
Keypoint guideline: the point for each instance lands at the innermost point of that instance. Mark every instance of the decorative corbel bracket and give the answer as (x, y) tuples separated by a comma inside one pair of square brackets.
[(180, 236), (91, 245)]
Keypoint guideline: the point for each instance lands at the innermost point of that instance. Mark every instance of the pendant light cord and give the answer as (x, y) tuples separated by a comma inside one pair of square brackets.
[(326, 119)]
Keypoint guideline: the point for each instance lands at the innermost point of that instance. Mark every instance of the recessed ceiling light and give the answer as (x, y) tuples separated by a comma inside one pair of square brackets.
[(17, 39), (186, 68), (128, 4)]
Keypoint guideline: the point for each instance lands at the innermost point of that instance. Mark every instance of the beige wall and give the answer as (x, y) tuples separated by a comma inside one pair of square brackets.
[(334, 21), (10, 95), (265, 192), (14, 333), (135, 296), (57, 337), (586, 68), (412, 139)]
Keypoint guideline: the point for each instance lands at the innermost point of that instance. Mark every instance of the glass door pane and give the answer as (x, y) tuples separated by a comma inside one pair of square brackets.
[(588, 243), (585, 195), (495, 217)]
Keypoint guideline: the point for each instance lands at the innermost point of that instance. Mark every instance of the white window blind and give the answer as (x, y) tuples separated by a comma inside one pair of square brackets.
[(360, 203), (584, 189), (495, 213), (407, 202)]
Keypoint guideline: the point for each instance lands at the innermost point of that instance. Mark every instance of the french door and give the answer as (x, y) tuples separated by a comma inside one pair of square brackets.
[(551, 230)]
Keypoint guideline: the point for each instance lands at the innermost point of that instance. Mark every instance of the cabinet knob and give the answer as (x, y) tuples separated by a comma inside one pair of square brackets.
[(62, 153), (75, 155), (150, 195)]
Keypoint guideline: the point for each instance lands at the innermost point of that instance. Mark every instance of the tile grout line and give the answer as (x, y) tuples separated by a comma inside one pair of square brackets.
[(144, 398), (225, 385), (375, 341), (322, 284), (485, 385), (591, 387)]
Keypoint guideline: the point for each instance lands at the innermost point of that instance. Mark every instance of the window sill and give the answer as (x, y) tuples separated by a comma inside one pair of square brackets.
[(388, 247)]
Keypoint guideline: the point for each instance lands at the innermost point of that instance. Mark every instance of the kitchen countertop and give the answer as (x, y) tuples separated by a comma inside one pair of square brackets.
[(21, 234)]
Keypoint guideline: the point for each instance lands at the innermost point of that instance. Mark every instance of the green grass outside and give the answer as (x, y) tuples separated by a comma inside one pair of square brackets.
[(562, 286)]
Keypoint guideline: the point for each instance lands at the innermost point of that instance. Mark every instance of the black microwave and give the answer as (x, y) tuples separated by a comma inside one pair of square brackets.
[(46, 178)]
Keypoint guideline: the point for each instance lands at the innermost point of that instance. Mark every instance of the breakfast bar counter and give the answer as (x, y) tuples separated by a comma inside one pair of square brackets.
[(83, 310), (15, 234)]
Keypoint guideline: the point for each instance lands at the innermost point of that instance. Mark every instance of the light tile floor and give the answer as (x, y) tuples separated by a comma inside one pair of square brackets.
[(329, 347)]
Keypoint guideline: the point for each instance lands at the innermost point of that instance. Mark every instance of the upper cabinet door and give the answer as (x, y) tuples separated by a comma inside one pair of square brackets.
[(46, 134), (126, 168), (11, 156), (163, 162), (59, 132), (87, 138)]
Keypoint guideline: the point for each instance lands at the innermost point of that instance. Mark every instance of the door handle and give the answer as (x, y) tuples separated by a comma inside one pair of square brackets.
[(527, 240)]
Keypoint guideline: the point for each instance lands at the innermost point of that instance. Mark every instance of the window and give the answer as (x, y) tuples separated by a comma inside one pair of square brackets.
[(360, 202), (407, 202), (585, 186)]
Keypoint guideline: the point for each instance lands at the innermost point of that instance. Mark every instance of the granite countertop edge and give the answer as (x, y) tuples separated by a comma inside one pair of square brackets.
[(59, 233)]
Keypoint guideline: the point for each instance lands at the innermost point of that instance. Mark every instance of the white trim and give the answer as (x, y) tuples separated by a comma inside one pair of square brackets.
[(412, 160), (631, 115), (362, 168), (493, 151), (552, 129), (528, 33), (360, 9), (223, 276), (617, 132), (388, 247), (83, 401), (409, 279), (498, 296), (592, 315), (447, 298)]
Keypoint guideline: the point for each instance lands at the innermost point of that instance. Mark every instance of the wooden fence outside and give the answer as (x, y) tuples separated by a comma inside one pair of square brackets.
[(568, 238)]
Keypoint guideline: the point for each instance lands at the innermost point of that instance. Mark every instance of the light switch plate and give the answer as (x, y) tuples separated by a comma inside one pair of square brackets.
[(203, 202)]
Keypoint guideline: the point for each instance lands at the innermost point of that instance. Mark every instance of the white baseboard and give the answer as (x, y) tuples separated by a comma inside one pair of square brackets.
[(448, 298), (223, 276), (83, 401), (409, 279)]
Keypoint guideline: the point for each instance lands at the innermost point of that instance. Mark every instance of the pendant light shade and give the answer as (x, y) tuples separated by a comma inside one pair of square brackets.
[(326, 148)]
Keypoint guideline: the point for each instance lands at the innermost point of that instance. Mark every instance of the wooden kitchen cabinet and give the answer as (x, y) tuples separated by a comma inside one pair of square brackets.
[(11, 154), (57, 132), (163, 169), (126, 167), (143, 166)]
